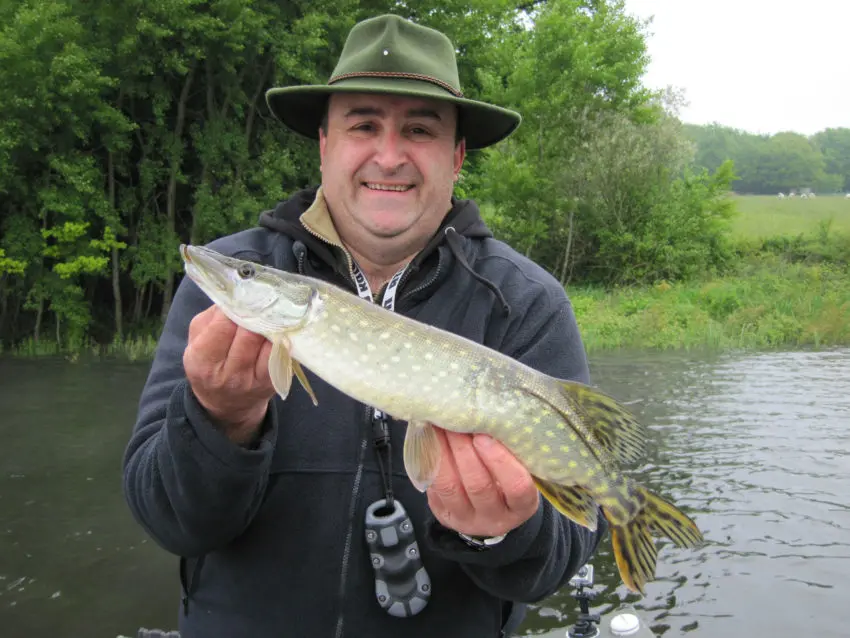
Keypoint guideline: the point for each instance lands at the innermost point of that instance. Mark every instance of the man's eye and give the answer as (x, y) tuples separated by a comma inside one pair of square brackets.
[(419, 131)]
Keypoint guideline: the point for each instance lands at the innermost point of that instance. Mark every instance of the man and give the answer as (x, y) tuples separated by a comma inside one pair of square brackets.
[(265, 499)]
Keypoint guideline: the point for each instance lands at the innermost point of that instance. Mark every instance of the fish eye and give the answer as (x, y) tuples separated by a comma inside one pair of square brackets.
[(246, 271)]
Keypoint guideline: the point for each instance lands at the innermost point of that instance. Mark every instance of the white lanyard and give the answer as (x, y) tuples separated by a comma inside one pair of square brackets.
[(365, 291)]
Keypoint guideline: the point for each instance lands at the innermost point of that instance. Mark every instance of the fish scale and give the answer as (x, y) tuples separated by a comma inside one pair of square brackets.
[(570, 437)]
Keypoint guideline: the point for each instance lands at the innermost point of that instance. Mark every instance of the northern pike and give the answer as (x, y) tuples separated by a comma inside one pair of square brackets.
[(570, 437)]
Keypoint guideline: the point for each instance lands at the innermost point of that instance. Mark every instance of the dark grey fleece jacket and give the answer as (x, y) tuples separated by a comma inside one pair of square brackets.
[(271, 537)]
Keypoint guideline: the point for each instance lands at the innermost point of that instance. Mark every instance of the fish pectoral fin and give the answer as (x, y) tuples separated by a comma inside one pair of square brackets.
[(421, 454), (280, 366), (299, 372), (572, 501), (611, 425)]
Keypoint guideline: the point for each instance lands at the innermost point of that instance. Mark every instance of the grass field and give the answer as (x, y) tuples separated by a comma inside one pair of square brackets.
[(769, 304), (762, 216)]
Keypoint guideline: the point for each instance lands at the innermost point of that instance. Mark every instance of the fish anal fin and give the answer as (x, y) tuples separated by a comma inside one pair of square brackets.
[(280, 366), (299, 372), (610, 425), (572, 501), (421, 454)]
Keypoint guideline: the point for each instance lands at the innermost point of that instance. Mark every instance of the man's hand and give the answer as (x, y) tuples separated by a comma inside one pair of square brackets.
[(481, 489), (228, 369)]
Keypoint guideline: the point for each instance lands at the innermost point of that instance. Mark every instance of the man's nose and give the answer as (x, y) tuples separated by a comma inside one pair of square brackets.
[(392, 150)]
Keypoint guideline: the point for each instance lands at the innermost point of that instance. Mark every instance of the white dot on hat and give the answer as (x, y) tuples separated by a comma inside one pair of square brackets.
[(386, 52)]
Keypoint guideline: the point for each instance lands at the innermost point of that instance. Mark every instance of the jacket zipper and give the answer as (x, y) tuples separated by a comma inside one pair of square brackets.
[(425, 285), (355, 488), (346, 554), (348, 258)]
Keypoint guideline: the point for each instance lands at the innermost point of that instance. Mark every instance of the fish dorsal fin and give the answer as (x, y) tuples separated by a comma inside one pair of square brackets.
[(609, 431), (609, 423), (572, 501)]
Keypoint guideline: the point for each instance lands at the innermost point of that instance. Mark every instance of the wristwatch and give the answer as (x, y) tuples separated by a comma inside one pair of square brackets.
[(481, 542)]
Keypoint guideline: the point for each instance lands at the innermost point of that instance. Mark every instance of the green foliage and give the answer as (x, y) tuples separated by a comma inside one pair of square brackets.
[(131, 127), (11, 266), (784, 162), (834, 144)]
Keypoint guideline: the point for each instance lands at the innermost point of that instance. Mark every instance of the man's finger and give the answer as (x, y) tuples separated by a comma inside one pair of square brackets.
[(201, 320), (261, 365), (244, 350), (211, 344), (480, 485), (447, 484), (515, 483)]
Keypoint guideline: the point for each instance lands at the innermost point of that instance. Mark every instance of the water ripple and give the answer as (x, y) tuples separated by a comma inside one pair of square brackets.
[(754, 447)]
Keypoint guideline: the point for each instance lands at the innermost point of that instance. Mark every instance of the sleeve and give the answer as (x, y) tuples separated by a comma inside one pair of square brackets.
[(186, 483), (539, 557)]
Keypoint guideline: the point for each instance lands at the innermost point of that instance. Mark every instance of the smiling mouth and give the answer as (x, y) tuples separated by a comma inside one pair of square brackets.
[(393, 188)]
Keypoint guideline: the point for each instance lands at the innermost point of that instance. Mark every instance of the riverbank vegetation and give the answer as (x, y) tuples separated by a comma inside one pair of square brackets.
[(130, 128), (769, 302)]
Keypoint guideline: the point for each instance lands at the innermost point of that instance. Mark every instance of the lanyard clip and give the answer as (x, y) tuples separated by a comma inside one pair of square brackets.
[(380, 429)]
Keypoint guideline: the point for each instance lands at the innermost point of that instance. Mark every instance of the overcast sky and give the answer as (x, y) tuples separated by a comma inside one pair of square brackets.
[(763, 66)]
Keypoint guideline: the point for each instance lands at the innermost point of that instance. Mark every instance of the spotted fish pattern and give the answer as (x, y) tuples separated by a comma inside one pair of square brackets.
[(571, 437)]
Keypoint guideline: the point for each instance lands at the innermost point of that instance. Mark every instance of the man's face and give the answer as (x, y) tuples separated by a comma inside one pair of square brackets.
[(389, 165)]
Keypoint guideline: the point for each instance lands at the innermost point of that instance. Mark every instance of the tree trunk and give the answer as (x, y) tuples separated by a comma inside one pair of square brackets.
[(137, 306), (116, 274), (171, 214), (252, 110), (4, 305), (38, 317), (150, 301), (116, 292), (14, 323), (567, 250)]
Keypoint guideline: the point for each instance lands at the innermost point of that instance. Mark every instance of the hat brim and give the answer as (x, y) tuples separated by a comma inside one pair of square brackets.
[(301, 108)]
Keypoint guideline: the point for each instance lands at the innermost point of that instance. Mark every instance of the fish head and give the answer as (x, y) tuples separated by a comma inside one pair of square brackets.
[(258, 298)]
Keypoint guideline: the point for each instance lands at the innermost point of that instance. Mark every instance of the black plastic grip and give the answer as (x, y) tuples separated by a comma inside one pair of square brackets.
[(402, 586)]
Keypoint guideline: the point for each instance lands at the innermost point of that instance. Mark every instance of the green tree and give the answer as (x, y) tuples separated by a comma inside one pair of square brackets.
[(834, 143)]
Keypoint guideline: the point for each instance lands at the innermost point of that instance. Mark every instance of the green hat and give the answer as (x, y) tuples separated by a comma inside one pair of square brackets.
[(389, 54)]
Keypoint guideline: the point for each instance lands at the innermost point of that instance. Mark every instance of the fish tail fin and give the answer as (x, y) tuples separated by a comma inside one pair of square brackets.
[(665, 519), (634, 549), (635, 554)]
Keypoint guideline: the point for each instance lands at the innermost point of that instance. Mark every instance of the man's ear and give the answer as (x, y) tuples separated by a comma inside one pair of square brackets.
[(459, 155)]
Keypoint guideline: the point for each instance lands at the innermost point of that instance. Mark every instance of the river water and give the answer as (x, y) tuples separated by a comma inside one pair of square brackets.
[(756, 447)]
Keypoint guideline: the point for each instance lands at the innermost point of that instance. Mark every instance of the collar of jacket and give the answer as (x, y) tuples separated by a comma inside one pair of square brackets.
[(305, 217)]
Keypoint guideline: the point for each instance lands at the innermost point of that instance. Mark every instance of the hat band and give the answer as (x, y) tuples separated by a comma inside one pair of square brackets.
[(404, 76)]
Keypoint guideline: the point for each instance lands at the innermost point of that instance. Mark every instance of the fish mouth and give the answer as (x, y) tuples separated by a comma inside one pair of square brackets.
[(204, 269)]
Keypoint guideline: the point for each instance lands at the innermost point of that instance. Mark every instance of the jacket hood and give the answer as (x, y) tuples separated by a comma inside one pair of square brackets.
[(464, 216)]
